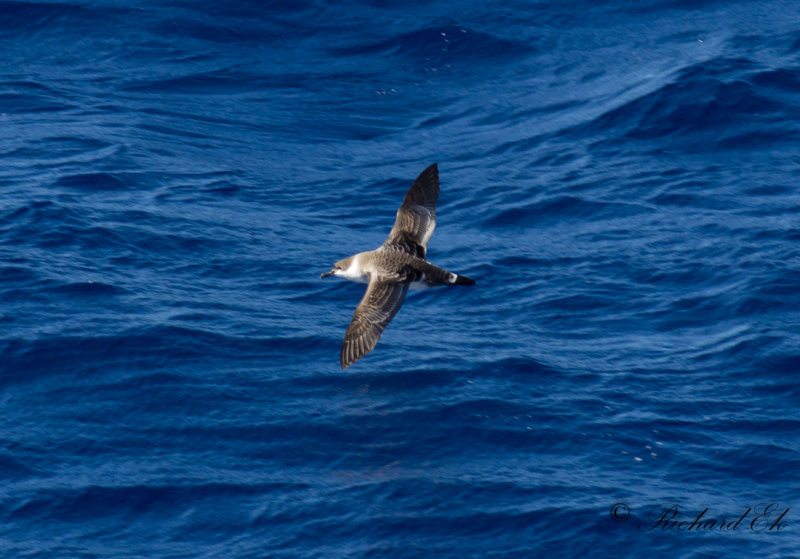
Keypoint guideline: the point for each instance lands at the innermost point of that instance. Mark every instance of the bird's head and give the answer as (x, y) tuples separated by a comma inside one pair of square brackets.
[(339, 269)]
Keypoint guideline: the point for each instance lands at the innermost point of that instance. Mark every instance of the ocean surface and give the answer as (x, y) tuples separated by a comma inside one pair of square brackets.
[(622, 180)]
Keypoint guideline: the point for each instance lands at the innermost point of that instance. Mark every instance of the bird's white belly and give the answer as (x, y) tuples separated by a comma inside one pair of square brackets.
[(419, 284), (358, 279)]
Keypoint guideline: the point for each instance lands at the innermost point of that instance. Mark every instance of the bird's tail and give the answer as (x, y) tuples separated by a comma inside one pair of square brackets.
[(462, 280)]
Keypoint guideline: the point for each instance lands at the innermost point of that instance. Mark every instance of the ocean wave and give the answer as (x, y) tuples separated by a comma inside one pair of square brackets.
[(560, 209), (145, 348), (438, 45), (713, 99)]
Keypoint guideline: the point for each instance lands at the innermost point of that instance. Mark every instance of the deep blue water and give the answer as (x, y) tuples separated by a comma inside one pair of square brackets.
[(622, 180)]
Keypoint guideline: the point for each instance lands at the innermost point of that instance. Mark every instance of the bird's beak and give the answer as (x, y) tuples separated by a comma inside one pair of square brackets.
[(326, 274)]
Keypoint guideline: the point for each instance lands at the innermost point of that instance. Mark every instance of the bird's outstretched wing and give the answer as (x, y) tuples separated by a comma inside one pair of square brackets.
[(380, 303), (416, 218)]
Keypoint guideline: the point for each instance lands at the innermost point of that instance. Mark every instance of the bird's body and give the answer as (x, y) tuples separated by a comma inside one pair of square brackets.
[(398, 265)]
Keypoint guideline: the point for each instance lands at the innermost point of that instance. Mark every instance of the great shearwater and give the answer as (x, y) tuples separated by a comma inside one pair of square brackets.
[(392, 269)]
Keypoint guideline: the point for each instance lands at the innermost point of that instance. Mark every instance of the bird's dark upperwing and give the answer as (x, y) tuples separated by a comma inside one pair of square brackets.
[(416, 218), (376, 309)]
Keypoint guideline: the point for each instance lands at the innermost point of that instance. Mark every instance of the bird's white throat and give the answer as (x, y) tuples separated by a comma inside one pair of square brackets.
[(354, 272)]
